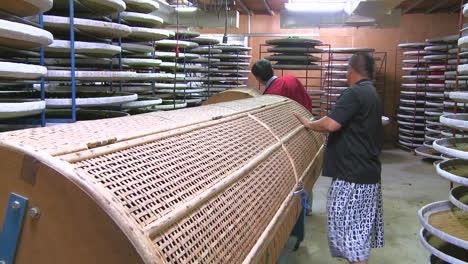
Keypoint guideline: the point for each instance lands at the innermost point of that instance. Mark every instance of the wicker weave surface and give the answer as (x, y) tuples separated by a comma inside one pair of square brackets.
[(202, 185)]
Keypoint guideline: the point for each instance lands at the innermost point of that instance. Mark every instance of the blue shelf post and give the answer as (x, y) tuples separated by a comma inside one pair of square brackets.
[(42, 62), (72, 57)]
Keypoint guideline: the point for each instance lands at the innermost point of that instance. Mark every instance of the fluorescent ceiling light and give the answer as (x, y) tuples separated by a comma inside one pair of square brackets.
[(322, 5), (186, 8), (319, 7)]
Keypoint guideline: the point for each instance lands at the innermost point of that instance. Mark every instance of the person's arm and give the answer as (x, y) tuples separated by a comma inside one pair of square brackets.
[(324, 124), (341, 114)]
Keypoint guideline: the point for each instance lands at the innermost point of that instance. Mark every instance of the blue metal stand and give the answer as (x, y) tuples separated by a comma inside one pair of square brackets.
[(42, 62), (72, 57), (153, 69), (12, 226), (119, 20)]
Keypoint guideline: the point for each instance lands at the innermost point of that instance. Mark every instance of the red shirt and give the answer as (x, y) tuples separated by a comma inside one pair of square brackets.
[(289, 86)]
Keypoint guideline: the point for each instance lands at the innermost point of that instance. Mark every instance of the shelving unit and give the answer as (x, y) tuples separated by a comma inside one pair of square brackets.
[(313, 77), (413, 68), (129, 58), (337, 83), (444, 233)]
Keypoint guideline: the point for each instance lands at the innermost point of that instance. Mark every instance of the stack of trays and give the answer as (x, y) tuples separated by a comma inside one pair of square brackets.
[(411, 115), (445, 227), (205, 62), (336, 81), (16, 74), (294, 53), (108, 74), (180, 92), (135, 64), (436, 79), (227, 69), (446, 49), (335, 75), (94, 61), (445, 232), (165, 81)]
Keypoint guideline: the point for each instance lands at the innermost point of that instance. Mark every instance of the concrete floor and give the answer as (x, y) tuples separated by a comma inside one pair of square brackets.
[(409, 182)]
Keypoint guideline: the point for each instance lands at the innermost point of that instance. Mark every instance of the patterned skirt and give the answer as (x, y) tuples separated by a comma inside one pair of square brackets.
[(355, 219)]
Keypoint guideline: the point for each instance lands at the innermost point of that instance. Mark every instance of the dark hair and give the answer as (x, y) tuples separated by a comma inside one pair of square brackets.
[(262, 69), (364, 64)]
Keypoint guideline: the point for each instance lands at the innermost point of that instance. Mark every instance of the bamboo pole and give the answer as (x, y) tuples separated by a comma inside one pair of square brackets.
[(152, 131), (151, 137), (283, 146)]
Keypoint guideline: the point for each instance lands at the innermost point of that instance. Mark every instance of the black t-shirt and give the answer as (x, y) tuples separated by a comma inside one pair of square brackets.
[(352, 153)]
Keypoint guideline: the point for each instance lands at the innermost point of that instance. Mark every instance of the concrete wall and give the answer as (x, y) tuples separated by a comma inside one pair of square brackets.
[(413, 28)]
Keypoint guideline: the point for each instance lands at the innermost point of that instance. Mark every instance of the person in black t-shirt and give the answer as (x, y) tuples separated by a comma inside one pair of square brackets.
[(354, 203)]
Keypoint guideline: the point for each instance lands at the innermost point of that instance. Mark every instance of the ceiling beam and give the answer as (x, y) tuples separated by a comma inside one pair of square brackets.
[(244, 6), (456, 8), (436, 6), (268, 7), (414, 4)]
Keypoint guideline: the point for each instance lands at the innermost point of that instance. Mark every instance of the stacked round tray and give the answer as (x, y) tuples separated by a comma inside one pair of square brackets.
[(206, 62), (294, 53), (437, 97), (151, 42), (446, 49), (335, 81), (413, 111), (445, 226), (445, 223), (228, 64), (137, 67), (180, 93), (438, 90), (124, 59), (17, 75), (335, 76), (97, 59)]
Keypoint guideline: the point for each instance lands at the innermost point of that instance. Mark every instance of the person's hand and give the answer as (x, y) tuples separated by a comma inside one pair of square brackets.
[(302, 119), (299, 186)]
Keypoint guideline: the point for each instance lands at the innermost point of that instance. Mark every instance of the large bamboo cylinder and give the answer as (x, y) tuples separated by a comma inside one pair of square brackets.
[(233, 94), (211, 184)]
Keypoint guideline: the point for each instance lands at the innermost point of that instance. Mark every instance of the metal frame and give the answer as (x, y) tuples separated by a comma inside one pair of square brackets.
[(322, 78), (43, 119), (12, 227)]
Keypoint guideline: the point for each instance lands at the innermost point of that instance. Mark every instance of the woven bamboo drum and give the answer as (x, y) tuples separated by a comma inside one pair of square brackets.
[(232, 94), (211, 184)]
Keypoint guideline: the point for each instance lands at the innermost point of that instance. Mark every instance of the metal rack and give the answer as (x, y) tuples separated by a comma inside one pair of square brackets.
[(313, 79), (24, 120), (419, 90), (430, 95), (73, 118), (439, 233), (380, 81)]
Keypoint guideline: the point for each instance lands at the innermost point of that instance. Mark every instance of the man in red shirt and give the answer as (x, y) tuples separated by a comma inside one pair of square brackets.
[(287, 85)]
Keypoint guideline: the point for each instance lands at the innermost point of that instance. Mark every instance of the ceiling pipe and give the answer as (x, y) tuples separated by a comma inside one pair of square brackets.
[(436, 6), (268, 7), (246, 9), (411, 6)]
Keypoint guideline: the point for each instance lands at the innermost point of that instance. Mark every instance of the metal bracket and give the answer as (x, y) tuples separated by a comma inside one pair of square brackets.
[(12, 226)]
